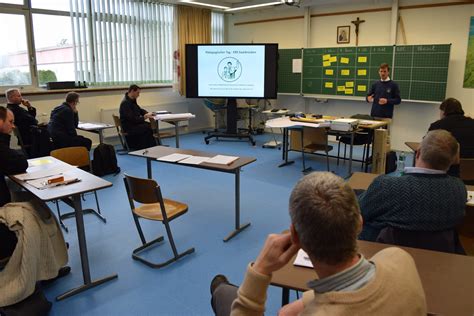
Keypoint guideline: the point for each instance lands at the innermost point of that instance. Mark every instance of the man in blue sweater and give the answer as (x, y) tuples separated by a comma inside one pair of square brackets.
[(425, 198), (383, 94)]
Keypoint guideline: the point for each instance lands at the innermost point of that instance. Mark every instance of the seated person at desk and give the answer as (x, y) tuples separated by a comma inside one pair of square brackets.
[(24, 119), (424, 198), (11, 161), (63, 123), (325, 221), (133, 121), (461, 127)]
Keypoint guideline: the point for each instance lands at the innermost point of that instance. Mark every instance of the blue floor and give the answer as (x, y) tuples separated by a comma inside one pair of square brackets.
[(183, 287)]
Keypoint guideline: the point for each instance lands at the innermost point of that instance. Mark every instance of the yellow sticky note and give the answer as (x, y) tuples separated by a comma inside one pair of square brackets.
[(344, 60), (333, 59), (361, 72), (349, 91), (329, 72), (326, 63), (341, 88), (326, 57), (328, 85), (361, 87), (345, 72), (362, 59), (350, 84)]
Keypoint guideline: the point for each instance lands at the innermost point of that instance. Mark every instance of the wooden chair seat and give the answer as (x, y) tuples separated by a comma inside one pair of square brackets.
[(153, 211)]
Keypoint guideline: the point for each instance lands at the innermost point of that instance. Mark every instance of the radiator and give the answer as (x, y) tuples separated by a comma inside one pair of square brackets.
[(173, 107)]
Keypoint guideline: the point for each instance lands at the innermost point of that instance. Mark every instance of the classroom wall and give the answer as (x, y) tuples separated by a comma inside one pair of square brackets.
[(437, 25)]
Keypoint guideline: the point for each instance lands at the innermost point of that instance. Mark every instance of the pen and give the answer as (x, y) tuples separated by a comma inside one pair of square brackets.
[(145, 152), (64, 182)]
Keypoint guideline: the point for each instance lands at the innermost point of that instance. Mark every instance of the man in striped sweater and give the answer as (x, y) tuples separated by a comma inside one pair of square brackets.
[(424, 198)]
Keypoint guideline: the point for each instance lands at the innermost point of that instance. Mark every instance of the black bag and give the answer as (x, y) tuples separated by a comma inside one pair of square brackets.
[(105, 161), (41, 142), (390, 162)]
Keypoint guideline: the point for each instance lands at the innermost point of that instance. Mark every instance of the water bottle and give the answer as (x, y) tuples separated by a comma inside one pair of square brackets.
[(401, 162)]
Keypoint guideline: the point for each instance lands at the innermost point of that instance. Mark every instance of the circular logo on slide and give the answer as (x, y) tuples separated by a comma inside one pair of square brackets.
[(229, 69)]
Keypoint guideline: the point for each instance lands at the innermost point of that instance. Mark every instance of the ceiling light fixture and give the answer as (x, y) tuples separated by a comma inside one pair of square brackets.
[(206, 4), (254, 6)]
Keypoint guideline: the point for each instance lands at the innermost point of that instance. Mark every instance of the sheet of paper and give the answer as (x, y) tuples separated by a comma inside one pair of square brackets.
[(194, 160), (345, 72), (349, 91), (328, 84), (341, 88), (173, 157), (333, 59), (326, 63), (470, 198), (326, 57), (361, 87), (91, 126), (37, 172), (350, 84), (164, 117), (297, 66), (362, 72), (302, 259), (344, 60), (329, 72), (222, 160), (362, 59), (39, 162)]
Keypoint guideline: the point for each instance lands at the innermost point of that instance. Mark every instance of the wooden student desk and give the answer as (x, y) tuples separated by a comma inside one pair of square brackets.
[(448, 279), (152, 153), (72, 194)]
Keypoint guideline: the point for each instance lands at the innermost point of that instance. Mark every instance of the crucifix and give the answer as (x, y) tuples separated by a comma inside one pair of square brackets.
[(356, 23)]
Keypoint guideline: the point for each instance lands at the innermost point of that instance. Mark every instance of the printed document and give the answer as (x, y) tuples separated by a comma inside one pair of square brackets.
[(174, 157), (222, 160)]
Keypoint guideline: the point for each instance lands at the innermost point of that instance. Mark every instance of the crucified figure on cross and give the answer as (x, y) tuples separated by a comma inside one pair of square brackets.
[(356, 23)]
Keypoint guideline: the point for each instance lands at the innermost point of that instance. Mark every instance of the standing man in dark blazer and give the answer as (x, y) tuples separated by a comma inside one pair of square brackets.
[(132, 117), (384, 94), (11, 161), (24, 118), (63, 123)]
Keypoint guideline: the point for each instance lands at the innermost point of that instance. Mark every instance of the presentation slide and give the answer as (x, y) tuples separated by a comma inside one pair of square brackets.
[(231, 70)]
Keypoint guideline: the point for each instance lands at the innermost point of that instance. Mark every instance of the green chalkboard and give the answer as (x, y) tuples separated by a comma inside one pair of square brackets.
[(288, 81), (420, 70)]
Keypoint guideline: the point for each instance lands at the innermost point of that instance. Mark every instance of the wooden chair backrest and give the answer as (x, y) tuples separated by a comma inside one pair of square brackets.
[(466, 168), (142, 190), (76, 156), (117, 123), (153, 125)]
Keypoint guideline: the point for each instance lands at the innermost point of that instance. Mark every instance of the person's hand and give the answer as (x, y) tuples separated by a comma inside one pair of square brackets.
[(370, 98), (74, 107), (26, 103), (383, 101), (276, 252), (148, 115)]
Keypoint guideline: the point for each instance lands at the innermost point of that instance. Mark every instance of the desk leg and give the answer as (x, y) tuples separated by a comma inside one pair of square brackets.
[(285, 149), (81, 236), (369, 150), (176, 132), (148, 168), (285, 296), (238, 227), (350, 154), (101, 136)]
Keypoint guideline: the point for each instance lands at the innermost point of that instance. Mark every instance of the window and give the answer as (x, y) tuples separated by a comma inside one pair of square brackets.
[(54, 48), (14, 61), (217, 27), (61, 5)]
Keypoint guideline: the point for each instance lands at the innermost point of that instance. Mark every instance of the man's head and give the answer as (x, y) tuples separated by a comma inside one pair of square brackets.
[(326, 217), (133, 92), (384, 71), (438, 150), (450, 106), (6, 120), (72, 98), (13, 96)]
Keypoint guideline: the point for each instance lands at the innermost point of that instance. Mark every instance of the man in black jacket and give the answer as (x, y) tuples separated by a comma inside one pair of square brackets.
[(63, 123), (24, 118), (11, 161), (133, 121)]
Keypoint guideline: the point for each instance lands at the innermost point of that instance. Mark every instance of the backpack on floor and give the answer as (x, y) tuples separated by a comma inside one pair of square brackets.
[(105, 161), (391, 162)]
